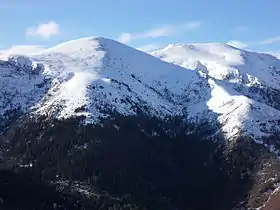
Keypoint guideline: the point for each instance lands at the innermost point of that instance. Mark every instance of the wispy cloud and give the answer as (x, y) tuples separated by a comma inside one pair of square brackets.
[(126, 37), (22, 49), (238, 44), (270, 40), (163, 31), (243, 45), (149, 47), (44, 30)]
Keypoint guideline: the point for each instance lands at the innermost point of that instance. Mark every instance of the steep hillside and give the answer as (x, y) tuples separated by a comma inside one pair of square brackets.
[(245, 86), (90, 76), (101, 72), (22, 85), (111, 127), (132, 163)]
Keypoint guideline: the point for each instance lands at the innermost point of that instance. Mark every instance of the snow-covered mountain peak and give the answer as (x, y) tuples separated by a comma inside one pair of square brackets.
[(224, 62), (244, 86), (207, 51), (93, 72), (216, 89), (95, 76), (76, 45)]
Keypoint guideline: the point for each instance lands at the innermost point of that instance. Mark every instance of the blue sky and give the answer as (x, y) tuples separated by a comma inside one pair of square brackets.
[(251, 24)]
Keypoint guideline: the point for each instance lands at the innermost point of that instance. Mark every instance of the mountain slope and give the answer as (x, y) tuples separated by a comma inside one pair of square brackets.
[(90, 76), (225, 62), (94, 72), (22, 85), (244, 85), (117, 128)]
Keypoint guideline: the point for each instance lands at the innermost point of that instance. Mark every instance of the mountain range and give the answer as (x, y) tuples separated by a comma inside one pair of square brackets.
[(210, 112)]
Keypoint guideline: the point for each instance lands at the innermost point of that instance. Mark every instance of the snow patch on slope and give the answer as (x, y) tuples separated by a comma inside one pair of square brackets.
[(94, 72), (227, 68), (224, 62), (95, 76), (22, 85)]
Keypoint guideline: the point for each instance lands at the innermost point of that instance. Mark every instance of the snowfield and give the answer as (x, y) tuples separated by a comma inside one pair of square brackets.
[(89, 76), (240, 81)]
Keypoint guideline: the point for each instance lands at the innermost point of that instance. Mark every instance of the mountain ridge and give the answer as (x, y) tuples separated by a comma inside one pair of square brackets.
[(82, 71), (71, 111), (241, 73)]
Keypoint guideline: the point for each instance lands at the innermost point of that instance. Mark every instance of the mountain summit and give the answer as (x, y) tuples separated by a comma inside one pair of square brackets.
[(216, 82), (94, 73), (244, 86), (93, 111)]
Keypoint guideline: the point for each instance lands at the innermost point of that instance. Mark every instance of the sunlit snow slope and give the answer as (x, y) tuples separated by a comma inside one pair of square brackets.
[(94, 77), (244, 85)]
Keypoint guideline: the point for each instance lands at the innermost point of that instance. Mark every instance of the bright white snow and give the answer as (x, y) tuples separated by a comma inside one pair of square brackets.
[(228, 67), (89, 75), (96, 71)]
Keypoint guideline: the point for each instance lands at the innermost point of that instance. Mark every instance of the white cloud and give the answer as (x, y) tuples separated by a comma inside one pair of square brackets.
[(242, 45), (45, 30), (125, 37), (238, 44), (149, 47), (270, 40), (163, 31), (21, 50)]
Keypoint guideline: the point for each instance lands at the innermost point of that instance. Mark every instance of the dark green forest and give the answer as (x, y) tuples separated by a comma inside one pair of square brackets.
[(134, 162)]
